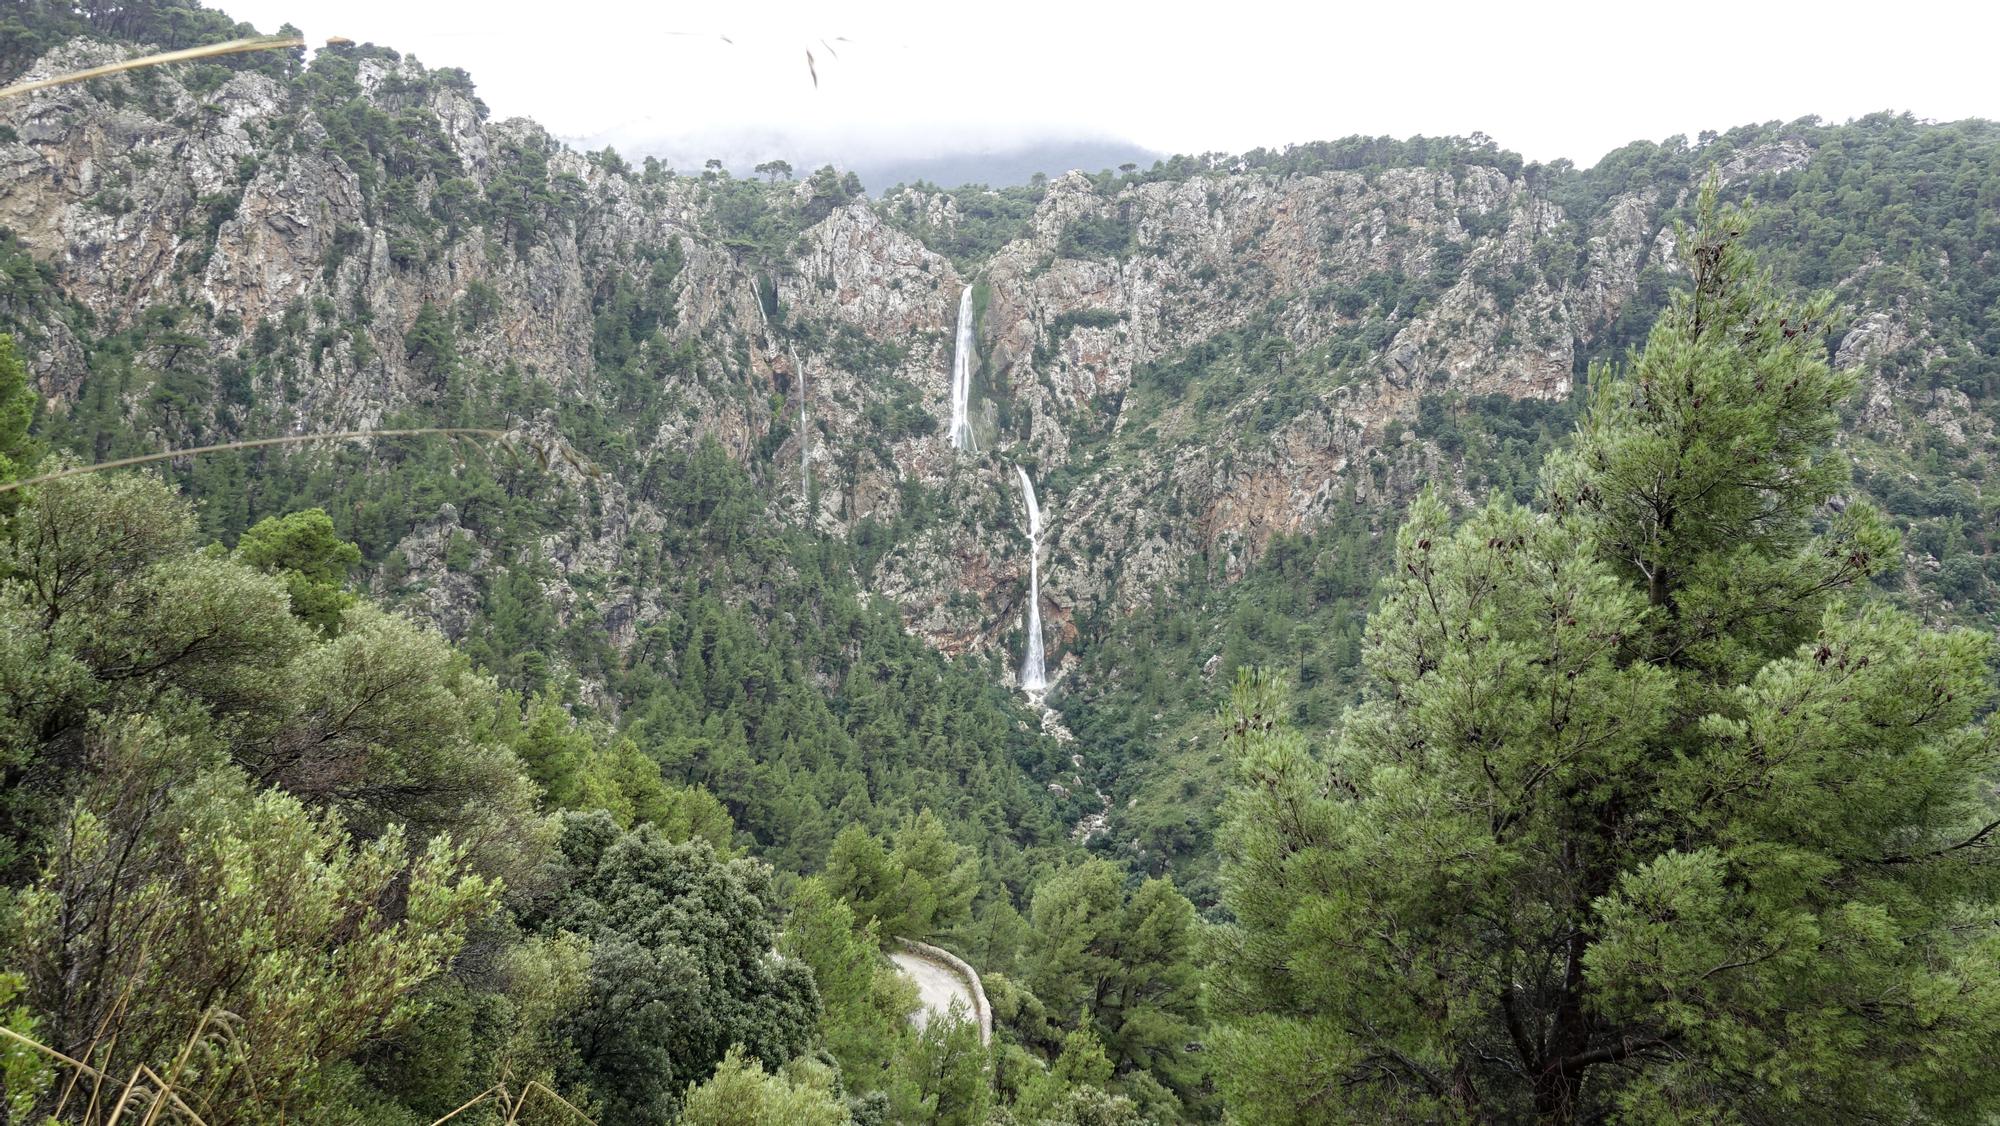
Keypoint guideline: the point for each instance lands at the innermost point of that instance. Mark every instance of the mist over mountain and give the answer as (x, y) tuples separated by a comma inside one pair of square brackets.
[(1001, 167), (880, 165)]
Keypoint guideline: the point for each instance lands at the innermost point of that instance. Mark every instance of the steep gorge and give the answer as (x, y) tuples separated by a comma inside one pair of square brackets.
[(1194, 364)]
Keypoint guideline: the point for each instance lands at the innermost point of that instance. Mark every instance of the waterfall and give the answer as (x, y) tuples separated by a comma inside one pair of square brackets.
[(961, 376), (805, 431), (799, 374), (1033, 677)]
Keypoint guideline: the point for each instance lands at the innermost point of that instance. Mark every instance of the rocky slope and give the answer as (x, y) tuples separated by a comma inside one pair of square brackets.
[(1191, 365)]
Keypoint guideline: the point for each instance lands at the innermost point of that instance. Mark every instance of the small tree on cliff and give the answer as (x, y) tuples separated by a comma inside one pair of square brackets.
[(17, 412), (1651, 814)]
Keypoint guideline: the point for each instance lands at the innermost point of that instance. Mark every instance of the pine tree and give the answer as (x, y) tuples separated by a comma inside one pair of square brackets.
[(867, 1002), (17, 411), (303, 549), (1651, 813)]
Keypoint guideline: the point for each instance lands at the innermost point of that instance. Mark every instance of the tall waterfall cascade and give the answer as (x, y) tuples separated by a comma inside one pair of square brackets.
[(798, 374), (961, 376), (1034, 678)]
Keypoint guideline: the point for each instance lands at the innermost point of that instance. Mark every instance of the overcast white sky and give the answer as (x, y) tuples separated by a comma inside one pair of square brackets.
[(1547, 80)]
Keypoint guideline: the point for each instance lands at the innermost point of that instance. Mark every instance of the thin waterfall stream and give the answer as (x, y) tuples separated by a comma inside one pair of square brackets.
[(961, 376), (1034, 678)]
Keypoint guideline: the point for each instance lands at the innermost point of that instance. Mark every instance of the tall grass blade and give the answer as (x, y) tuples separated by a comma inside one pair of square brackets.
[(233, 47), (252, 444)]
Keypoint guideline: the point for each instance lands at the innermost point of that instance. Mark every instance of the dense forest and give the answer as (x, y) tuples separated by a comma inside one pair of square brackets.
[(1614, 755), (1880, 204)]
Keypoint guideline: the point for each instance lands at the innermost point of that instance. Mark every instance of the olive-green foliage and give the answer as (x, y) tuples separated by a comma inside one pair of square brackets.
[(105, 606), (764, 677), (177, 894), (1145, 698), (500, 1017), (431, 345), (987, 218), (727, 692), (1097, 236), (1092, 1106), (27, 31), (25, 1074), (390, 138), (1363, 154), (626, 339), (1071, 1090), (946, 1079), (212, 806), (113, 609), (762, 221), (682, 965), (1301, 609), (580, 769), (1649, 813), (1877, 205), (741, 1093), (1882, 202), (760, 689)]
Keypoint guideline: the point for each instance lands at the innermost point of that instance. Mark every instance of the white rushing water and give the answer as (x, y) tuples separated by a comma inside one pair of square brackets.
[(1033, 677), (799, 374), (961, 376)]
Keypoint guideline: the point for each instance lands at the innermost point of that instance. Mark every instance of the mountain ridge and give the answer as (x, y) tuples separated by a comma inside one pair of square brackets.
[(1197, 360)]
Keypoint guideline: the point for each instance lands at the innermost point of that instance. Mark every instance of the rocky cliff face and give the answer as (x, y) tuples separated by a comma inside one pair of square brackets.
[(1189, 367)]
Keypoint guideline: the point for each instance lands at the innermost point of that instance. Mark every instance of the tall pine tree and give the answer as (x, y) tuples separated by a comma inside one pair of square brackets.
[(1652, 813), (17, 412)]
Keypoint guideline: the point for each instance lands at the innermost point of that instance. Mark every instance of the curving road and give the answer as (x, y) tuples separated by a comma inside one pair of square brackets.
[(937, 986), (940, 985)]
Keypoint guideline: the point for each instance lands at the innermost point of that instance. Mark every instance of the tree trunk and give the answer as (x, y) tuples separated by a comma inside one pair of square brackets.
[(1558, 1085), (1556, 1095)]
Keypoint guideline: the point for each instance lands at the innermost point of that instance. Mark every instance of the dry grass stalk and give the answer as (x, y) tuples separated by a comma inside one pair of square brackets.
[(114, 1013), (514, 1104), (146, 1089), (233, 47), (153, 1093), (544, 451)]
